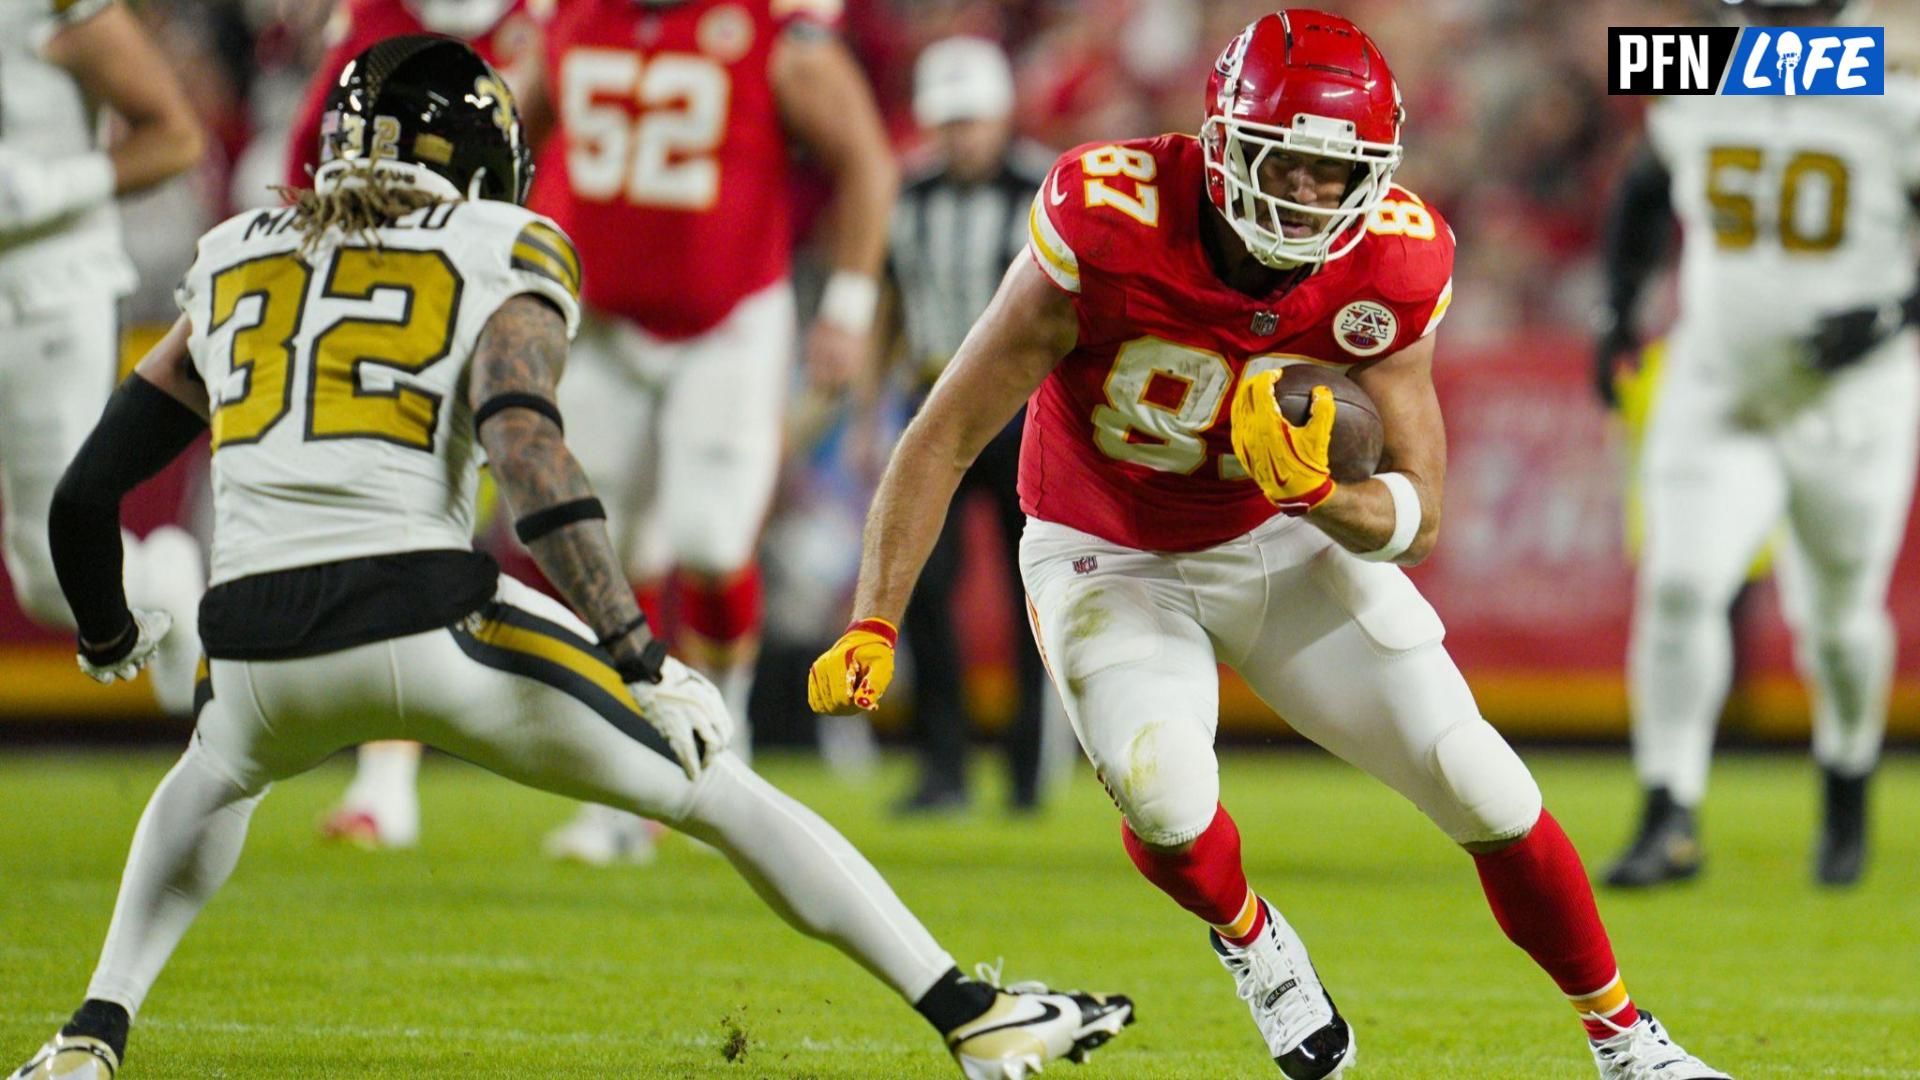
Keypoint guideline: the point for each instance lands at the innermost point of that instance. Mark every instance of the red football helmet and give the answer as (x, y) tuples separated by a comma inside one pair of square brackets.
[(1304, 82)]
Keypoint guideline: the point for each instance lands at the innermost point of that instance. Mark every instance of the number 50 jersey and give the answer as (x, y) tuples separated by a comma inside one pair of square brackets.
[(1793, 208), (1129, 437), (337, 376)]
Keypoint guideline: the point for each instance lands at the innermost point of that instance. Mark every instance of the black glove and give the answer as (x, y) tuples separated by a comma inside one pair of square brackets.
[(1616, 346), (1841, 339)]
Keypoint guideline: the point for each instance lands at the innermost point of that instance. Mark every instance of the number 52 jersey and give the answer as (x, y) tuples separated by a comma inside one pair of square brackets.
[(337, 375), (1129, 437)]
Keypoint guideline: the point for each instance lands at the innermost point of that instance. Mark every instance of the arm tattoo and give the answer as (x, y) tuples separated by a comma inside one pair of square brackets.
[(523, 349)]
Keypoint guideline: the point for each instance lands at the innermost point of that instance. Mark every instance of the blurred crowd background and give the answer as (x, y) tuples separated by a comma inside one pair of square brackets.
[(1510, 128), (1510, 133)]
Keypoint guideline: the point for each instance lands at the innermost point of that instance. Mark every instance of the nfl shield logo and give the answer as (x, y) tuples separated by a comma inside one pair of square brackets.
[(1264, 322), (1085, 564)]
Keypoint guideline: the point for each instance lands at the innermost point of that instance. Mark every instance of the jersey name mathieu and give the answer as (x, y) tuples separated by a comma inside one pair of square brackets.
[(670, 163), (1128, 438), (341, 427)]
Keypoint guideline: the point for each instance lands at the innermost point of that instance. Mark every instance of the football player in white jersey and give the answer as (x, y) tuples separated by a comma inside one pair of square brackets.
[(1791, 396), (62, 272), (354, 355)]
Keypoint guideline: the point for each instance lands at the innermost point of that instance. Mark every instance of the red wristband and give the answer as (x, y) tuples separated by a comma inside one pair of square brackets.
[(881, 627)]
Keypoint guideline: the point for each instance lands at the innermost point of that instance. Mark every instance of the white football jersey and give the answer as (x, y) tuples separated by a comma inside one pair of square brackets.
[(337, 378), (43, 115), (1793, 208)]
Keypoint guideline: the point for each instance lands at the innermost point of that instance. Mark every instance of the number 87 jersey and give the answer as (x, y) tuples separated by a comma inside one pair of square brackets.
[(1128, 438)]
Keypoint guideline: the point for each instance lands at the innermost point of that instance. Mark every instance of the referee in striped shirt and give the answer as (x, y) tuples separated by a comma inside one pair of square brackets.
[(955, 231)]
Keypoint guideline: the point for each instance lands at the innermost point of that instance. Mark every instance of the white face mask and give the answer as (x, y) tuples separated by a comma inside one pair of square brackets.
[(1234, 151)]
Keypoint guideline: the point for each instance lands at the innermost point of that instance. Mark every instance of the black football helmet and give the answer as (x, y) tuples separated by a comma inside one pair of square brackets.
[(430, 105)]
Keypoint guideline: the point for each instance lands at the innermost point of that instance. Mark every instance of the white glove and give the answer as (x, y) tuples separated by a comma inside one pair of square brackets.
[(152, 626), (34, 192), (688, 710)]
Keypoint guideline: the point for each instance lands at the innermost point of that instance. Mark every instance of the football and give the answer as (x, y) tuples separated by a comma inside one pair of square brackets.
[(1358, 436)]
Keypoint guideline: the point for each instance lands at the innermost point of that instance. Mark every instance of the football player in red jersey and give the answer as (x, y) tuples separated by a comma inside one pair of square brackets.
[(1177, 521), (669, 168), (381, 808)]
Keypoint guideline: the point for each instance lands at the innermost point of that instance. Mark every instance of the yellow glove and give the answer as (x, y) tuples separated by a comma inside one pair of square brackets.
[(853, 673), (1288, 461)]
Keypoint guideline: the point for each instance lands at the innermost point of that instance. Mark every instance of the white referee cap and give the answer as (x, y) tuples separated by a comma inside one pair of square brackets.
[(961, 78)]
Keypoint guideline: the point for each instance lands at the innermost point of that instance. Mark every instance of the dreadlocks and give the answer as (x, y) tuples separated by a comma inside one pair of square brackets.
[(361, 202)]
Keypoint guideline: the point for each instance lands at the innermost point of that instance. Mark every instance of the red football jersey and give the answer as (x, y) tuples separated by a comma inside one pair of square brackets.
[(1128, 438), (512, 41), (669, 168)]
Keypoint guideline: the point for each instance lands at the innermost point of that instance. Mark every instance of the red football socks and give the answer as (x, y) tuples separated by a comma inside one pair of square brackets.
[(1540, 896), (1206, 879), (721, 614)]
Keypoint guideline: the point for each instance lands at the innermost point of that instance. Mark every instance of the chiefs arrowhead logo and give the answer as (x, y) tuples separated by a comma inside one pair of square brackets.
[(1365, 328)]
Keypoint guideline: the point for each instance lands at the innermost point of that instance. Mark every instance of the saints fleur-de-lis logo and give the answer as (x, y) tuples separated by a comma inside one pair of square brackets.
[(488, 89)]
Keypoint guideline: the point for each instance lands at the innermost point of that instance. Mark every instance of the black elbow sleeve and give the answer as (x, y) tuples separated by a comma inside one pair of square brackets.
[(1638, 229), (141, 431)]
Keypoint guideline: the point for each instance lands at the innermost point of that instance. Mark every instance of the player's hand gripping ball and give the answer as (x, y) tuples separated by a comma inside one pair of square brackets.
[(855, 672), (1302, 431)]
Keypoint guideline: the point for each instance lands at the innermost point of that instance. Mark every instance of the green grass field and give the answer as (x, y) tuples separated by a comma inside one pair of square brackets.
[(472, 957)]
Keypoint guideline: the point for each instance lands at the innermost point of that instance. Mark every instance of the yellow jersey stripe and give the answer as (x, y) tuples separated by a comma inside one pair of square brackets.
[(534, 243), (1055, 259), (1440, 307), (542, 262), (544, 235)]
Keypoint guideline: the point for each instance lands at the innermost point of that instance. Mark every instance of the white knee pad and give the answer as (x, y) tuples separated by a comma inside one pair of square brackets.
[(1494, 797), (1166, 783)]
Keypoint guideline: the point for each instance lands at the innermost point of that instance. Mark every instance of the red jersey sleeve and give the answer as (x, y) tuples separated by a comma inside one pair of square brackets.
[(1414, 271), (1091, 208)]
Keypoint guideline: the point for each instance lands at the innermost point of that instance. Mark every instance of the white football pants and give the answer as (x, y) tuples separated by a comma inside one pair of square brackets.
[(56, 372), (682, 438), (1347, 651), (1839, 472), (517, 688)]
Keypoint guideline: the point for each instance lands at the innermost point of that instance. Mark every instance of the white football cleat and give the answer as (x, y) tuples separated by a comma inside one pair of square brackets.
[(1303, 1030), (70, 1057), (1646, 1052), (1029, 1025), (602, 836)]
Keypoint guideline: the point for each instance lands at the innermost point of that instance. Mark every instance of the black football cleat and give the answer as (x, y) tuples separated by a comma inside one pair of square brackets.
[(1843, 837), (1667, 847)]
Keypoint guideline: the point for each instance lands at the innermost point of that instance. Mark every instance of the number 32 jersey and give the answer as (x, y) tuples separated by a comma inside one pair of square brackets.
[(337, 377), (1129, 437)]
